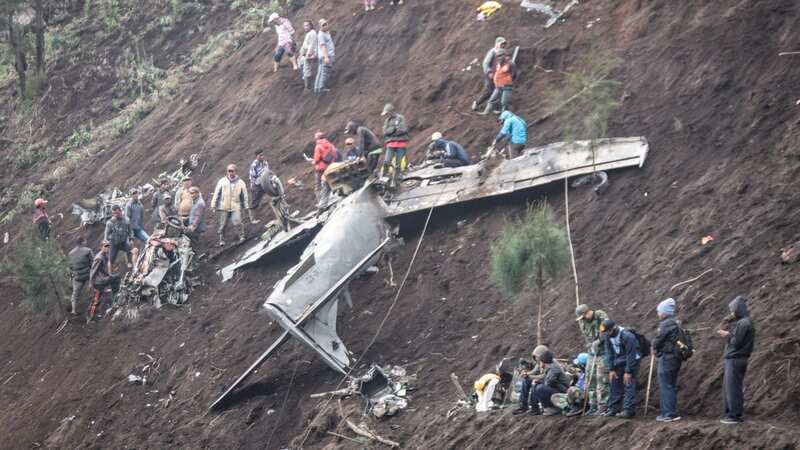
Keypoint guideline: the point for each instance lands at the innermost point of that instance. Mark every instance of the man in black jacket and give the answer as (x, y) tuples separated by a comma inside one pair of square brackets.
[(669, 361), (80, 264), (622, 358), (741, 338), (555, 381)]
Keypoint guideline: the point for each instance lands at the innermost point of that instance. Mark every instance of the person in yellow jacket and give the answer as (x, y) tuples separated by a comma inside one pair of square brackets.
[(229, 199), (484, 388)]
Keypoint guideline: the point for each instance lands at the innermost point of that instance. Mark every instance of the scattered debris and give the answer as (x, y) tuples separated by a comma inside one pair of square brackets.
[(791, 253), (487, 10), (136, 379), (690, 280), (553, 14), (706, 239), (600, 178), (788, 53), (367, 433)]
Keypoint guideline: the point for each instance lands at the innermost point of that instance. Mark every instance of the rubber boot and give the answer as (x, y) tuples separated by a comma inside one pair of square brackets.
[(486, 110), (241, 233), (221, 240)]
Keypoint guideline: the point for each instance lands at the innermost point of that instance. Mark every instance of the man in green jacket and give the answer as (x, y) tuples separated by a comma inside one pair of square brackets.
[(589, 321)]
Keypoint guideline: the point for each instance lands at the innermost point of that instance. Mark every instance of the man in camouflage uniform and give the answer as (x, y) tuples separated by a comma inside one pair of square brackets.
[(589, 321), (571, 402)]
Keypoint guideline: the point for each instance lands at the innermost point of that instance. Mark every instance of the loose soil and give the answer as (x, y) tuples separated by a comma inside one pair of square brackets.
[(702, 82)]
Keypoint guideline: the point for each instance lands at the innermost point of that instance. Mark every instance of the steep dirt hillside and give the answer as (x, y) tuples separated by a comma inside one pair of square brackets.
[(701, 80)]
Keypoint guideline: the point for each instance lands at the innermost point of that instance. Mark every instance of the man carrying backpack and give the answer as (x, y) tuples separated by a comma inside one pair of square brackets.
[(667, 347), (623, 354)]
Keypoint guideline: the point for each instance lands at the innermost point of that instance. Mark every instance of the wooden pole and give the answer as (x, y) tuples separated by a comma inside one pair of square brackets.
[(649, 381), (587, 382), (569, 239)]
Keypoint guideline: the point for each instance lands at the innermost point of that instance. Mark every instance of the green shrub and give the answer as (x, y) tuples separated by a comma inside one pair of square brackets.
[(41, 269), (78, 139), (529, 252)]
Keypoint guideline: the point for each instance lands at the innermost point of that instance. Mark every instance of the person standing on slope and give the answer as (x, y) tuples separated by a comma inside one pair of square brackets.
[(229, 199), (134, 211), (589, 321), (395, 136), (324, 155), (488, 66), (80, 265), (741, 338), (326, 53), (308, 54), (623, 359), (286, 44), (40, 218), (669, 361), (504, 74), (367, 143)]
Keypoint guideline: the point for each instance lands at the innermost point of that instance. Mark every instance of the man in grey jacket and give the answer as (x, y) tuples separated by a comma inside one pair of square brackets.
[(118, 234), (80, 265), (488, 66), (308, 54), (327, 55), (134, 211)]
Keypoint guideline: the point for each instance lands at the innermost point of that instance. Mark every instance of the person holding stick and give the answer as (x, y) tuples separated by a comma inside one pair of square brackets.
[(589, 321)]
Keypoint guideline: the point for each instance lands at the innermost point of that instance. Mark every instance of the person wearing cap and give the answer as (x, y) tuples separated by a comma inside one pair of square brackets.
[(529, 377), (118, 234), (448, 153), (182, 200), (555, 381), (167, 209), (134, 211), (514, 130), (589, 321), (669, 361), (158, 200), (286, 44), (623, 358), (229, 199), (367, 143), (326, 53), (740, 338), (308, 54), (80, 266), (488, 66), (504, 74), (324, 156), (40, 218), (100, 275), (258, 166), (197, 215), (571, 402), (395, 137)]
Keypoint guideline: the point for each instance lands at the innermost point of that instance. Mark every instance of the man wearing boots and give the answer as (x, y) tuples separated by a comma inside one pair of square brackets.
[(589, 321), (229, 199)]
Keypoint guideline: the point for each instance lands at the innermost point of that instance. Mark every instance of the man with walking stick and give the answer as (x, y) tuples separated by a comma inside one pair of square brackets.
[(589, 321)]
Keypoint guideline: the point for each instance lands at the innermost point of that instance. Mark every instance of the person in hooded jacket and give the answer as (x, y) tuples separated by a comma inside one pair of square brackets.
[(514, 130), (449, 153), (741, 338), (40, 218), (669, 361)]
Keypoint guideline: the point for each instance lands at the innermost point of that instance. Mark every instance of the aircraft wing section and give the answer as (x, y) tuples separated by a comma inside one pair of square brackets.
[(265, 248), (429, 187)]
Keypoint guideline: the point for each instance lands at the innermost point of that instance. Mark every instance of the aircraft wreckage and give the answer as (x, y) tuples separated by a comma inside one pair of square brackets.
[(305, 301)]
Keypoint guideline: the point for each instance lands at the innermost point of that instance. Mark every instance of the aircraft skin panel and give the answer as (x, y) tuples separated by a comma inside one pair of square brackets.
[(537, 166), (352, 231)]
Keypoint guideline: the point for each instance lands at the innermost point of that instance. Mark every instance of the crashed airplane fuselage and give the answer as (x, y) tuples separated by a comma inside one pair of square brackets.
[(305, 301)]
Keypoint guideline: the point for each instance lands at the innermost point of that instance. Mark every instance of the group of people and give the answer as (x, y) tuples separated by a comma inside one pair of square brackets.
[(316, 54), (183, 208), (603, 380)]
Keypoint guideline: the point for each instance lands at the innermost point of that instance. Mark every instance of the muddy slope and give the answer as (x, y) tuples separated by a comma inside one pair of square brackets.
[(704, 85)]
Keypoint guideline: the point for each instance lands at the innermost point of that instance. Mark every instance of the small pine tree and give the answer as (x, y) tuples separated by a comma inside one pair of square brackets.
[(42, 271), (589, 97), (530, 252)]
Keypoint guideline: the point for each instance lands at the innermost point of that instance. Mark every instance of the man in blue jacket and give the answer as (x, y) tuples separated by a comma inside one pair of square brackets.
[(514, 131), (449, 153), (622, 357)]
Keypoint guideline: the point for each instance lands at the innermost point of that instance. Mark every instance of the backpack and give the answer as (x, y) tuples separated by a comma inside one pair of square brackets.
[(683, 344), (330, 155), (644, 343)]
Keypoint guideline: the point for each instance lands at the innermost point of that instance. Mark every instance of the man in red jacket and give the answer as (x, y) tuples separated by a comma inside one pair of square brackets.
[(324, 155)]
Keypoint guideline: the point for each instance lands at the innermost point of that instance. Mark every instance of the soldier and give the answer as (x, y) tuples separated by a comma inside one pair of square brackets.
[(589, 321), (572, 401)]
